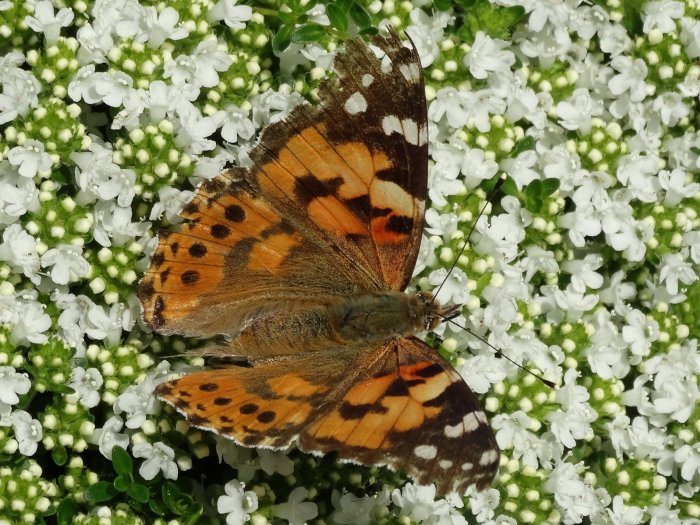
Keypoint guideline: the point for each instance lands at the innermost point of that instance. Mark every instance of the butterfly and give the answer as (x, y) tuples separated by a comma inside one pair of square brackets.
[(300, 262)]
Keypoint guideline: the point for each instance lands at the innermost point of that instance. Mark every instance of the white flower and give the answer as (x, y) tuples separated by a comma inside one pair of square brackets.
[(272, 461), (426, 33), (674, 183), (18, 249), (477, 168), (671, 108), (30, 324), (673, 269), (640, 332), (296, 511), (20, 93), (113, 88), (237, 504), (577, 112), (236, 125), (193, 129), (487, 56), (484, 504), (233, 15), (159, 458), (18, 195), (86, 384), (353, 510), (67, 263), (161, 26), (138, 401), (662, 15), (210, 58), (630, 78), (622, 514), (520, 168), (107, 437), (28, 431), (12, 385), (98, 174), (453, 287), (583, 274), (45, 21), (30, 158), (574, 498), (688, 457), (415, 501), (170, 202), (113, 224)]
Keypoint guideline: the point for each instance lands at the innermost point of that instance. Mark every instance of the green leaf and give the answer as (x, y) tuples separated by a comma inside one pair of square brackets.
[(138, 492), (509, 187), (535, 204), (549, 186), (65, 512), (308, 33), (521, 146), (368, 31), (100, 492), (59, 455), (360, 16), (288, 19), (282, 38), (175, 499), (442, 5), (534, 189), (121, 484), (123, 464), (337, 17), (344, 5), (157, 507)]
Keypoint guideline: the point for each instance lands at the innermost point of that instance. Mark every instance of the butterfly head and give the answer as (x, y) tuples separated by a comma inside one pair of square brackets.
[(427, 313)]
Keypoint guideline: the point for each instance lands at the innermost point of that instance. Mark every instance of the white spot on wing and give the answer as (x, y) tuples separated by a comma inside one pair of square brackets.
[(467, 466), (391, 124), (355, 103), (425, 451), (481, 417), (410, 72), (471, 421), (488, 457), (454, 431), (410, 131), (407, 127), (367, 80), (445, 463)]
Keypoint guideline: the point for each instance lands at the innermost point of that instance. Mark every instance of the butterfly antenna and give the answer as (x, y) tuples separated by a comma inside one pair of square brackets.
[(546, 382), (489, 200)]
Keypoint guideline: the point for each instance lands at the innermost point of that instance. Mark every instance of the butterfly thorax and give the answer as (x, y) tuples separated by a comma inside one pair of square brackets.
[(340, 320)]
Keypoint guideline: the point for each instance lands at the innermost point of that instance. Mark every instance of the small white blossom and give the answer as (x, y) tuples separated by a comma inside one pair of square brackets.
[(66, 262), (86, 384), (674, 183), (107, 437), (19, 250), (12, 385), (233, 15), (295, 510), (237, 503), (30, 158), (675, 269), (47, 22), (28, 432), (159, 458), (662, 15), (488, 55)]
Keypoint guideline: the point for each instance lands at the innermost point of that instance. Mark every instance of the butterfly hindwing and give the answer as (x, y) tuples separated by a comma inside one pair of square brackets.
[(397, 404), (413, 413)]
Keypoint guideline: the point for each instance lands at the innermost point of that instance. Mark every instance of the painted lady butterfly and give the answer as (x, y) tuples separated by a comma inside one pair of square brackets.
[(300, 261)]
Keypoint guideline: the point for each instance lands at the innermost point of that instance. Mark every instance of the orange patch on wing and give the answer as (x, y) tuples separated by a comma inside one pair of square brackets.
[(293, 384), (331, 215), (270, 253)]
